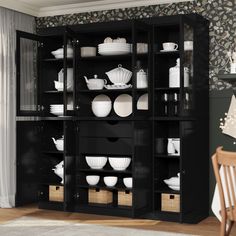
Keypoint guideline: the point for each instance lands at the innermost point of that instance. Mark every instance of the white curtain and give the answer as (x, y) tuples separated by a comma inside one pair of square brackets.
[(10, 22)]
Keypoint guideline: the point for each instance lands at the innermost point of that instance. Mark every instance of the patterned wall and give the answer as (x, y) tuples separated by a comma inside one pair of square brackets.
[(220, 13)]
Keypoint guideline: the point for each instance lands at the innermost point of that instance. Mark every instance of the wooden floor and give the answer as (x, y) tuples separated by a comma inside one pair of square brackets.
[(208, 227)]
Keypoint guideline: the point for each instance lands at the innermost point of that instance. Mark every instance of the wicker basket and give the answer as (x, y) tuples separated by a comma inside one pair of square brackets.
[(170, 202), (56, 193), (125, 198), (100, 196)]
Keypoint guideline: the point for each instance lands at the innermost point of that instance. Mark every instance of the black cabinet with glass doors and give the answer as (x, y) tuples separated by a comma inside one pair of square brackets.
[(154, 130)]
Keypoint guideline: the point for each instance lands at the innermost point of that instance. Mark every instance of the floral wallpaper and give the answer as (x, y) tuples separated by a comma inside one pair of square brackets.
[(220, 13)]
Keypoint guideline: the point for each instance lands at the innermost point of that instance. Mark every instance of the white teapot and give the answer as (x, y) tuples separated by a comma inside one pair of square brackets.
[(59, 143), (95, 83)]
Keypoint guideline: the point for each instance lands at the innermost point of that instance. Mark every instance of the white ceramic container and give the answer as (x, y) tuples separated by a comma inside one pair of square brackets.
[(88, 51), (119, 163), (92, 179), (142, 81), (128, 182), (119, 75), (174, 76), (96, 162), (110, 181)]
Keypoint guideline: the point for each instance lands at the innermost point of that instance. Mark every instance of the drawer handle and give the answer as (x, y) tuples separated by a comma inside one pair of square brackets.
[(112, 140)]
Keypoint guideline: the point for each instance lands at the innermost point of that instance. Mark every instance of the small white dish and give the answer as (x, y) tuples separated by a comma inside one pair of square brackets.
[(142, 103), (123, 105), (163, 50)]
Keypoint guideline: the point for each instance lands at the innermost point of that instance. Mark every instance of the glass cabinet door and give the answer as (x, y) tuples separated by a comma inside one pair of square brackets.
[(27, 74), (187, 70)]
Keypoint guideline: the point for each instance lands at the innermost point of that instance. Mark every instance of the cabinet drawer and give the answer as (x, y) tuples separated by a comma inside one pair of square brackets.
[(106, 129), (108, 146)]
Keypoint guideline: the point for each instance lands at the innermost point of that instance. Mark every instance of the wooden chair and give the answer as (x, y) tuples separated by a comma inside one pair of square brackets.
[(227, 161)]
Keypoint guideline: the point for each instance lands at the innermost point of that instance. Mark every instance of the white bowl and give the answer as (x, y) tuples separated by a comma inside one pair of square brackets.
[(119, 163), (92, 179), (101, 105), (119, 75), (96, 162), (128, 182), (110, 181), (88, 51), (101, 108)]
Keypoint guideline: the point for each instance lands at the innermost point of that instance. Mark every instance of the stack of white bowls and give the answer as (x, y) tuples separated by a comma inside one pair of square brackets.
[(106, 49), (173, 182), (58, 109)]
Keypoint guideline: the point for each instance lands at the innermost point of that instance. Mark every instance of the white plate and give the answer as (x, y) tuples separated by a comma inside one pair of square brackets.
[(173, 187), (123, 105), (114, 86), (168, 50), (142, 103)]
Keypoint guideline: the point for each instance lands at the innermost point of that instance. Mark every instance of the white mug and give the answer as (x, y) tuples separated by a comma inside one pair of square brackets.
[(168, 46), (188, 45)]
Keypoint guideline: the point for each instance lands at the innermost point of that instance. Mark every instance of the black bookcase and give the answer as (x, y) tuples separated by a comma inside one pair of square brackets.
[(134, 136)]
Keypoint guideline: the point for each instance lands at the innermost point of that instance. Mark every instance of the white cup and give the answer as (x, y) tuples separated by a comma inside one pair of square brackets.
[(169, 46), (188, 45)]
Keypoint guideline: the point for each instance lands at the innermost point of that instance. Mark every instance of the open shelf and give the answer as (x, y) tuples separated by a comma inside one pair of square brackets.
[(105, 90), (123, 172), (166, 156), (56, 92), (56, 59), (108, 57), (105, 187), (176, 52)]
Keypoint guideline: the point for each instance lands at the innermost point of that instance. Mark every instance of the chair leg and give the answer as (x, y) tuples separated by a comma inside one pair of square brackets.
[(230, 225), (223, 227)]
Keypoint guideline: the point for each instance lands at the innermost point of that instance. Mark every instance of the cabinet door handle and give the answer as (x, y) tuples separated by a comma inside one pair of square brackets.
[(42, 108)]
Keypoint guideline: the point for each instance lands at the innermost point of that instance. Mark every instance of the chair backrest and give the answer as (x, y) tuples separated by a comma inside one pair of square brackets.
[(226, 161)]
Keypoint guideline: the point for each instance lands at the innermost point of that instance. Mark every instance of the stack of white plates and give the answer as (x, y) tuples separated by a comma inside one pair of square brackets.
[(114, 48), (58, 109)]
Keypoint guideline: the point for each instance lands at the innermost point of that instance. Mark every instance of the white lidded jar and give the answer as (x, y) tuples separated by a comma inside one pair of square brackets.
[(174, 76)]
